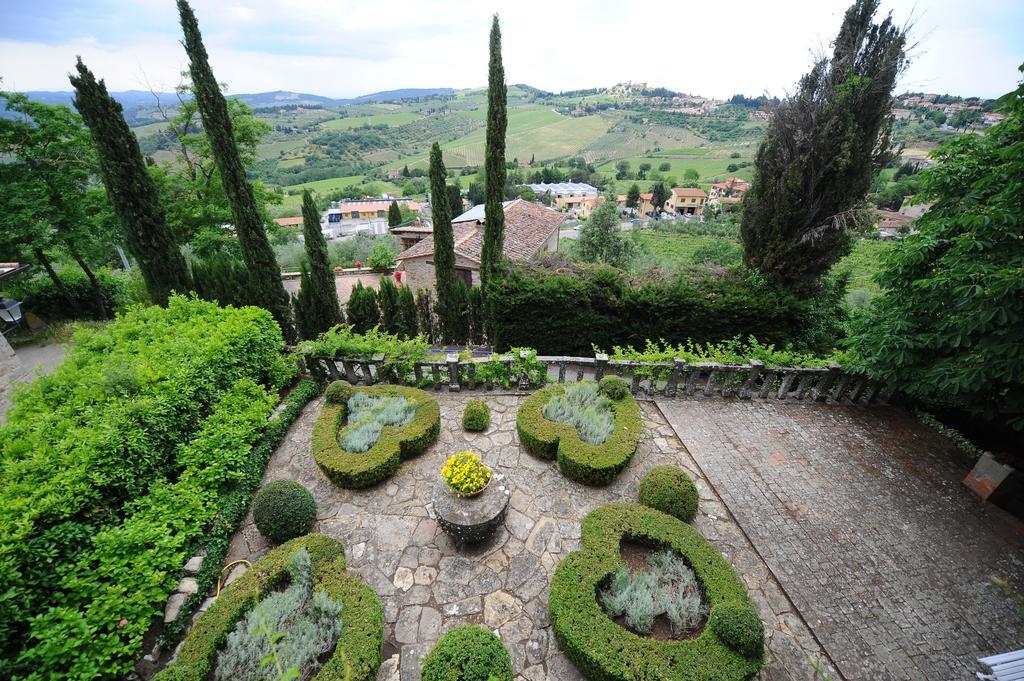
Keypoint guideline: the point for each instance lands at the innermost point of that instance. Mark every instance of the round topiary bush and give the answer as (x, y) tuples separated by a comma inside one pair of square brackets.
[(468, 653), (670, 490), (477, 416), (283, 510), (338, 392), (613, 387), (739, 627)]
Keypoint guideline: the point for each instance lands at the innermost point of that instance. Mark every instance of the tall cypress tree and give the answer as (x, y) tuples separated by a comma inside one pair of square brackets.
[(131, 189), (494, 161), (444, 239), (320, 309), (394, 214), (264, 274)]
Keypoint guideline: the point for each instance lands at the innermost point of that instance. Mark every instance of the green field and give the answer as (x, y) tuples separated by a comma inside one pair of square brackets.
[(674, 249), (274, 149), (392, 119), (710, 169)]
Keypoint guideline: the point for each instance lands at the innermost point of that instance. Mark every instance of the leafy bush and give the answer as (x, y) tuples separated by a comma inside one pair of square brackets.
[(579, 460), (613, 387), (581, 406), (506, 370), (357, 652), (338, 392), (113, 467), (367, 418), (546, 310), (400, 354), (362, 310), (382, 459), (667, 587), (283, 510), (468, 653), (382, 258), (599, 647), (739, 627), (670, 490), (40, 296), (309, 623), (477, 416)]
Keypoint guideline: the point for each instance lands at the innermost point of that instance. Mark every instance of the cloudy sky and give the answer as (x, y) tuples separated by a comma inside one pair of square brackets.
[(343, 48)]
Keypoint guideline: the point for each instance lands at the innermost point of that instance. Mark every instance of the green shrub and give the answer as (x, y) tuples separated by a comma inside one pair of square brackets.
[(468, 653), (670, 490), (400, 354), (40, 296), (357, 652), (396, 443), (600, 648), (579, 460), (581, 406), (362, 311), (338, 392), (477, 416), (283, 510), (613, 387), (115, 466), (739, 627), (667, 587)]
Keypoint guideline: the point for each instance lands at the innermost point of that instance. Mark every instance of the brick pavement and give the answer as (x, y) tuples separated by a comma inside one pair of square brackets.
[(860, 515)]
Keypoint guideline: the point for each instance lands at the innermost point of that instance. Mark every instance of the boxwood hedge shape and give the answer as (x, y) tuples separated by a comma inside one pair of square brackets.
[(477, 416), (356, 655), (604, 651), (468, 653), (283, 510), (670, 490), (338, 392), (579, 460), (396, 443)]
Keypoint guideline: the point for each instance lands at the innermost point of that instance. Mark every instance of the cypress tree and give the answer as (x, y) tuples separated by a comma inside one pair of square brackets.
[(407, 325), (264, 274), (476, 316), (317, 292), (455, 199), (363, 313), (494, 161), (394, 214), (444, 239), (425, 315), (131, 189), (388, 297)]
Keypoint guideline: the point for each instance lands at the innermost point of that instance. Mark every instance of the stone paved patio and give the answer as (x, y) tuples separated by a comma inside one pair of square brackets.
[(428, 585), (861, 515)]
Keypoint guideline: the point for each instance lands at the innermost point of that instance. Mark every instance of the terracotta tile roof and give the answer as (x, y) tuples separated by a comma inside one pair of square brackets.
[(692, 192), (289, 222), (527, 226), (647, 197)]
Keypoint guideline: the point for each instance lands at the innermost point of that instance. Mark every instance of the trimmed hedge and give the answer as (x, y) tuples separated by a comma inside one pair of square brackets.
[(613, 387), (579, 460), (338, 392), (604, 651), (670, 490), (468, 653), (357, 654), (396, 443), (546, 310), (283, 510), (477, 416)]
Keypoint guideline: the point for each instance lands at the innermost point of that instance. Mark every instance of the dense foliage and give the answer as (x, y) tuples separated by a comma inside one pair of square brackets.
[(476, 417), (740, 628), (39, 295), (444, 243), (356, 655), (363, 311), (317, 308), (667, 587), (821, 152), (145, 423), (283, 510), (547, 310), (949, 327), (604, 651), (599, 240), (468, 653), (670, 490), (494, 162), (338, 392)]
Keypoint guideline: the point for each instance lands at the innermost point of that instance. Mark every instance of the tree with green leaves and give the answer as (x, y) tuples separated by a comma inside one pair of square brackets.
[(659, 195), (633, 198), (477, 332), (444, 239), (821, 152), (599, 240), (130, 188), (691, 175), (458, 315), (494, 161), (394, 214), (363, 312), (949, 325), (387, 295), (425, 315), (259, 257), (318, 294), (455, 199), (407, 326)]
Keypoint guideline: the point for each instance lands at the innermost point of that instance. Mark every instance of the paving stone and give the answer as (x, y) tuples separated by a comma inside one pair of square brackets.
[(403, 578), (500, 607), (407, 626), (430, 624)]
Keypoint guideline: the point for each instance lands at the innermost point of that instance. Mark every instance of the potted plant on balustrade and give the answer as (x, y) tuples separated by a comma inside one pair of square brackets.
[(470, 499)]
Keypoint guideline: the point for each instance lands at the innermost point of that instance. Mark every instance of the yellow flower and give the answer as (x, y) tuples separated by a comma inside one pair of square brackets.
[(465, 473)]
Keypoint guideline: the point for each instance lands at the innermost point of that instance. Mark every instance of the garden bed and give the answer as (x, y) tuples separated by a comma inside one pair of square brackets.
[(357, 653), (396, 443), (592, 464)]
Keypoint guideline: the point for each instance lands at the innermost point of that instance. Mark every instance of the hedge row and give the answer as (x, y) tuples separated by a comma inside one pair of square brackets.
[(579, 460), (468, 653), (605, 651), (111, 467), (548, 311), (357, 654), (396, 443)]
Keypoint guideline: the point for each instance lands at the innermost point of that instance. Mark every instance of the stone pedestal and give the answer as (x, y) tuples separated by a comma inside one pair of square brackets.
[(472, 520)]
